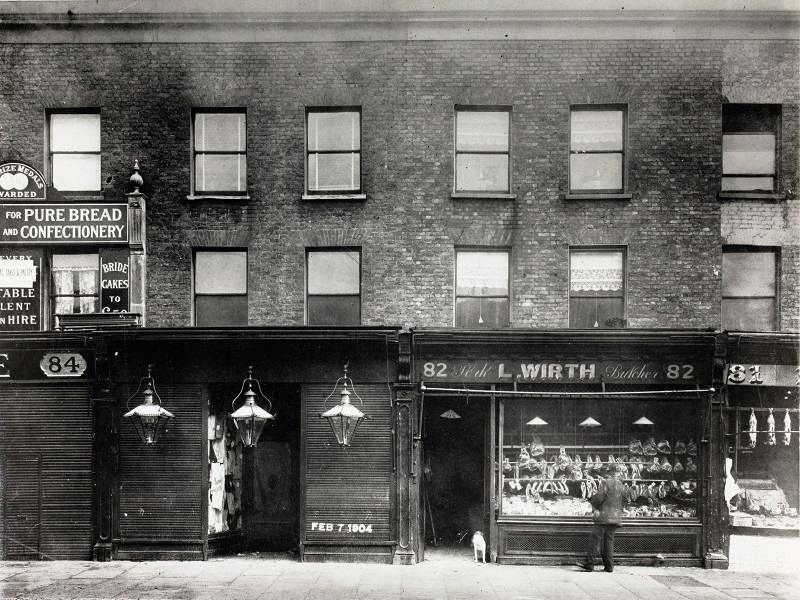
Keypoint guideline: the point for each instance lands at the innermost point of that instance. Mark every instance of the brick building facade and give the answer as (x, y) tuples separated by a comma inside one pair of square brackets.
[(408, 73)]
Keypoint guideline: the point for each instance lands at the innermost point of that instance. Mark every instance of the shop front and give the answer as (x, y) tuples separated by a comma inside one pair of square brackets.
[(517, 429), (208, 485), (763, 434)]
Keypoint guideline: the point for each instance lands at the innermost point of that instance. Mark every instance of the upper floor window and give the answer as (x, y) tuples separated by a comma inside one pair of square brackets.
[(220, 152), (482, 284), (749, 289), (220, 288), (597, 288), (74, 152), (75, 284), (483, 150), (597, 149), (334, 287), (749, 147), (333, 150)]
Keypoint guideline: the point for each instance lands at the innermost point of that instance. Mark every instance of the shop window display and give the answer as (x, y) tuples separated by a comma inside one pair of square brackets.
[(556, 451)]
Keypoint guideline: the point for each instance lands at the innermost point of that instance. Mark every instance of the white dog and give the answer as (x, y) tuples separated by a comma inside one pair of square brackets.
[(479, 545)]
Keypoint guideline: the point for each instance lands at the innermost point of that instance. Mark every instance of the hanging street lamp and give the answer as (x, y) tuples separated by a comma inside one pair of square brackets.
[(149, 418), (344, 418), (250, 418)]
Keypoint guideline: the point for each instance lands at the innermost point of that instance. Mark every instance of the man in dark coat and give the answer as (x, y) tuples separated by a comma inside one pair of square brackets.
[(607, 503)]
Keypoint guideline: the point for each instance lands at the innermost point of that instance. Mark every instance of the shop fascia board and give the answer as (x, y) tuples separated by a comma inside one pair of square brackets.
[(576, 339), (49, 340), (146, 334), (765, 347), (83, 26)]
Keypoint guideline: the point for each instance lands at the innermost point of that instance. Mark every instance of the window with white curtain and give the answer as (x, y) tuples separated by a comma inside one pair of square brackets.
[(220, 288), (334, 286), (482, 284), (483, 150), (75, 151), (597, 149), (75, 283), (220, 152), (597, 288), (333, 150)]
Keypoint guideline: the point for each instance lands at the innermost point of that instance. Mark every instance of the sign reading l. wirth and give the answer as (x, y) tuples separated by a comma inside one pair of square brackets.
[(63, 223)]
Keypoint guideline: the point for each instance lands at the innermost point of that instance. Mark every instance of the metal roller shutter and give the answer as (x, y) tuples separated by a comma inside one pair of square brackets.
[(47, 468), (160, 486), (348, 487)]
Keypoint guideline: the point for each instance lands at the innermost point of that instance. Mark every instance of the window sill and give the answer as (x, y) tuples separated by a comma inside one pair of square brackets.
[(334, 197), (598, 196), (483, 195), (83, 196), (751, 196), (216, 197)]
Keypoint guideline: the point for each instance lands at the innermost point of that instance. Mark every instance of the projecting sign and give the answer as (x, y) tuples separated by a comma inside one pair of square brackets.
[(63, 223), (115, 280), (19, 180)]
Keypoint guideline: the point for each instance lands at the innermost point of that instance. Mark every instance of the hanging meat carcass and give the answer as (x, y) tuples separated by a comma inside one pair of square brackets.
[(752, 427), (787, 429), (771, 429)]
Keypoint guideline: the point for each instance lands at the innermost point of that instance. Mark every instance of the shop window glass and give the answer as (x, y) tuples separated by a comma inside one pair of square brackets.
[(74, 284), (597, 149), (749, 289), (749, 147), (220, 287), (482, 282), (597, 288), (220, 152), (550, 465), (75, 151), (482, 150), (333, 151), (334, 287)]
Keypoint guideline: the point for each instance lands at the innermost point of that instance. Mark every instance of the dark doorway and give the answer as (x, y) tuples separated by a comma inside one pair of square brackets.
[(454, 460), (270, 494)]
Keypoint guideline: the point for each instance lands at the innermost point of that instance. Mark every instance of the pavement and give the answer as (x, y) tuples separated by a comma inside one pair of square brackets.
[(440, 577)]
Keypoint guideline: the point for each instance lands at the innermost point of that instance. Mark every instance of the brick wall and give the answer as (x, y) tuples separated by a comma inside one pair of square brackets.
[(409, 225)]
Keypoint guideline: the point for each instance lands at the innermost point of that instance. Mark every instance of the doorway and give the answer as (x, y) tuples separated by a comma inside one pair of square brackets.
[(454, 486), (270, 495)]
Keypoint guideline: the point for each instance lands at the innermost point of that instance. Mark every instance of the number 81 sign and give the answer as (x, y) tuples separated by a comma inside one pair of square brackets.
[(62, 364)]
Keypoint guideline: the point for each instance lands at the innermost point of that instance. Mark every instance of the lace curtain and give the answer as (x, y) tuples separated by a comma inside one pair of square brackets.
[(595, 272), (71, 281)]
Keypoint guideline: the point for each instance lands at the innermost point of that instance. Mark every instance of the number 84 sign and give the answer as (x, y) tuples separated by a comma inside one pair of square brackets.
[(62, 364)]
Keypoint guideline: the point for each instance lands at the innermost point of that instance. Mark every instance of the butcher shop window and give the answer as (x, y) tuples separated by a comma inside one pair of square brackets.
[(597, 288), (551, 460), (597, 149), (334, 286), (483, 150), (482, 284), (220, 288), (749, 289), (75, 284), (220, 152), (749, 147), (74, 150)]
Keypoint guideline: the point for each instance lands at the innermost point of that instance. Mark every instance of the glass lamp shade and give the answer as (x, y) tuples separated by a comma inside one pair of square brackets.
[(589, 422), (149, 418), (344, 419), (250, 420)]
